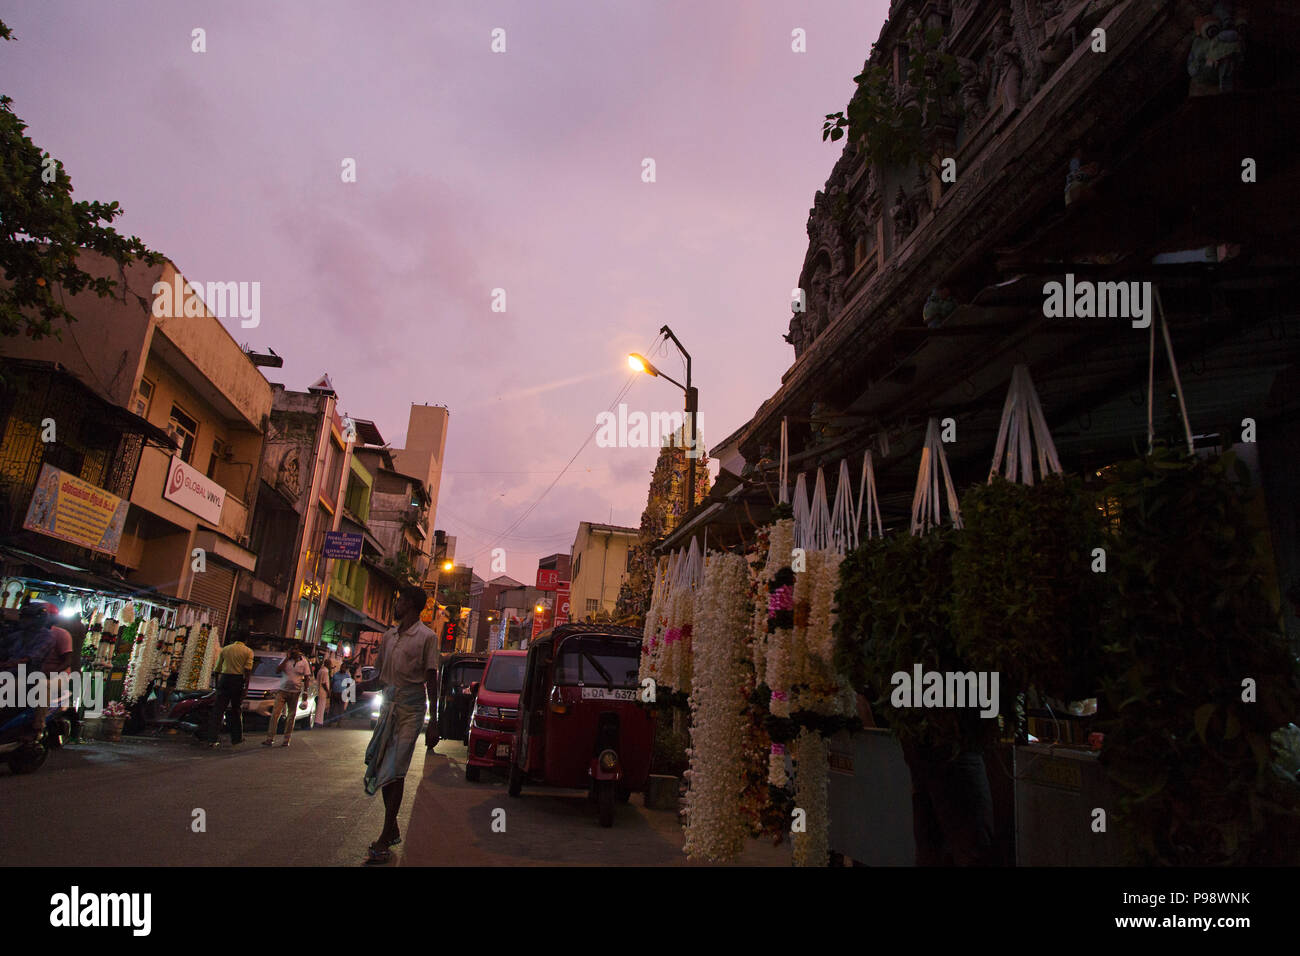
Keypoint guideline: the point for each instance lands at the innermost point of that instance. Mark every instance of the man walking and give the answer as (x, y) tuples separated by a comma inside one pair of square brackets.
[(294, 672), (408, 672), (234, 667), (322, 691)]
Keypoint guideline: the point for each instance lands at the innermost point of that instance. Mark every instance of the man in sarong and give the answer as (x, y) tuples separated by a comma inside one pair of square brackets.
[(408, 674)]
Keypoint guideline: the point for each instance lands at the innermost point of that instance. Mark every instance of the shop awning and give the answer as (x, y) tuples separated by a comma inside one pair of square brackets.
[(339, 611), (56, 572)]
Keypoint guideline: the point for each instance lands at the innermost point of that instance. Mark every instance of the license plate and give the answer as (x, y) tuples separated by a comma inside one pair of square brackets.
[(605, 693), (503, 750)]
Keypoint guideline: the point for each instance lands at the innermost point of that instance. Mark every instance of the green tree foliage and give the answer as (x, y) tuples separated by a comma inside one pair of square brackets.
[(891, 123), (42, 231)]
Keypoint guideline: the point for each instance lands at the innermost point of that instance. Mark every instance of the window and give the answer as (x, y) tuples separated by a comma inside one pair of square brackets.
[(220, 452), (593, 605), (143, 396), (628, 565), (183, 431)]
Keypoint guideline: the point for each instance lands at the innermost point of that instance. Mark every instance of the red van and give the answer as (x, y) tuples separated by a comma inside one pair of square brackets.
[(495, 716)]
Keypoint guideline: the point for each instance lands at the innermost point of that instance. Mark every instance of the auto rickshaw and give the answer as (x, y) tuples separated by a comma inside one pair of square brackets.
[(456, 695), (581, 723)]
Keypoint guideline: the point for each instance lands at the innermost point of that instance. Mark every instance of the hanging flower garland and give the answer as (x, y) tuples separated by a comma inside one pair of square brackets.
[(715, 825), (812, 847), (780, 617), (652, 634)]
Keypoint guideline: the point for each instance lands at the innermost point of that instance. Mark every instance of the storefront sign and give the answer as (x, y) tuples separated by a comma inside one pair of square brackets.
[(194, 491), (562, 603), (343, 545), (65, 507), (548, 579)]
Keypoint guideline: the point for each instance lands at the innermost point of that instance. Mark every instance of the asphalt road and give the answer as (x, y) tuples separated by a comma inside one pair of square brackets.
[(135, 803)]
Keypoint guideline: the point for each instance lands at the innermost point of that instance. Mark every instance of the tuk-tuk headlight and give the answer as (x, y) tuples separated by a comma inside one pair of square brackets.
[(489, 712), (608, 761)]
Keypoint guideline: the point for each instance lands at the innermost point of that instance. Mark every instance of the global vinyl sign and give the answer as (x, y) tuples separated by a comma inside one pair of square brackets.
[(194, 491)]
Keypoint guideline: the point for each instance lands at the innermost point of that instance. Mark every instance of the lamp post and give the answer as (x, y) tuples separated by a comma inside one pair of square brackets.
[(641, 364)]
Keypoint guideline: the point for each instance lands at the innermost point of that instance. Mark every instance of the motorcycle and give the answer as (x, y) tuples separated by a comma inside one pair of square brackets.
[(191, 710), (22, 745)]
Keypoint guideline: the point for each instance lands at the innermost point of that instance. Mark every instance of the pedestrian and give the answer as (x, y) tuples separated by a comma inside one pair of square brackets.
[(294, 671), (59, 662), (30, 643), (322, 692), (408, 673), (234, 667)]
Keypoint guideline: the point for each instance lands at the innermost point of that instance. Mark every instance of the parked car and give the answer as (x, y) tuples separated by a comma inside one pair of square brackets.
[(581, 723), (456, 694), (495, 714), (259, 698)]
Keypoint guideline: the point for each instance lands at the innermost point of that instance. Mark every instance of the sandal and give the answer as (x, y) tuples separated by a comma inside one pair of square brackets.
[(378, 853)]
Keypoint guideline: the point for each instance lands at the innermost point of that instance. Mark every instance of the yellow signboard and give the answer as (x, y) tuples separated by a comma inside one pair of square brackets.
[(65, 507)]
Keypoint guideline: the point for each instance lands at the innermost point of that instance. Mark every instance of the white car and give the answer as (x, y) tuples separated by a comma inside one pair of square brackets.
[(259, 698)]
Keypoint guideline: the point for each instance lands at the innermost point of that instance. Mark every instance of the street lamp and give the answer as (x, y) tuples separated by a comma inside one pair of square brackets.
[(639, 363)]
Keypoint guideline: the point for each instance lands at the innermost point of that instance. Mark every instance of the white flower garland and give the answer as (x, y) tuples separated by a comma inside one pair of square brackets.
[(714, 824), (811, 847)]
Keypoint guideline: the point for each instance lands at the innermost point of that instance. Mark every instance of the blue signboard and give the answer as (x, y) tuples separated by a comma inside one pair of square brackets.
[(343, 545)]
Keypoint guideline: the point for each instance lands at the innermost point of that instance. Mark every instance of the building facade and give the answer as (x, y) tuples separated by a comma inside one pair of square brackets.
[(600, 561)]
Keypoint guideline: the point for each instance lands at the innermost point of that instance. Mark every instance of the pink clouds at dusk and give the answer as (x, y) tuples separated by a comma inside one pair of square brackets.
[(475, 170)]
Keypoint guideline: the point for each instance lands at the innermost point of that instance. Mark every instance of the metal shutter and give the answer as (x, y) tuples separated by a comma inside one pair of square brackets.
[(213, 588)]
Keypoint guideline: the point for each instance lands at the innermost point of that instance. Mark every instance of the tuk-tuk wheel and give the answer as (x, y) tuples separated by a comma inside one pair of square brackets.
[(516, 782), (471, 773)]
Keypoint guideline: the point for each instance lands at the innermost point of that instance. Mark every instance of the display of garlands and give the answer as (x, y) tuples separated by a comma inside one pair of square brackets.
[(715, 825)]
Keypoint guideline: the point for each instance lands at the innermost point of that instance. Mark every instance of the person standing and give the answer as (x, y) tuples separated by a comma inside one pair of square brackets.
[(234, 667), (322, 691), (30, 645), (408, 672), (294, 671)]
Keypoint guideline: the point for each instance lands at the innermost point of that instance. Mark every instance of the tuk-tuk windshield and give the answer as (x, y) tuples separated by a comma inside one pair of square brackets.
[(460, 676), (598, 662), (505, 676)]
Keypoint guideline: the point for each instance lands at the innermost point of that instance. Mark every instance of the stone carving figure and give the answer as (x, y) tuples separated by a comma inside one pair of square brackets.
[(797, 336), (288, 474), (974, 90), (904, 217), (1010, 70)]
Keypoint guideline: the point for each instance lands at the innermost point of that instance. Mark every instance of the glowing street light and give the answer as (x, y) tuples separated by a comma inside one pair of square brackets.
[(639, 363)]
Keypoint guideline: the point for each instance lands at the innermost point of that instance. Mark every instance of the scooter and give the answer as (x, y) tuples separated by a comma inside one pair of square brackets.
[(191, 710), (22, 745)]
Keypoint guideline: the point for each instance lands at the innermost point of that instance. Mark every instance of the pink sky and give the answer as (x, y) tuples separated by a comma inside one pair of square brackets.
[(475, 171)]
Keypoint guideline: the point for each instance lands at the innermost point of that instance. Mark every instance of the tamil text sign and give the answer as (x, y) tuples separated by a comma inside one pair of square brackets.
[(65, 507)]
